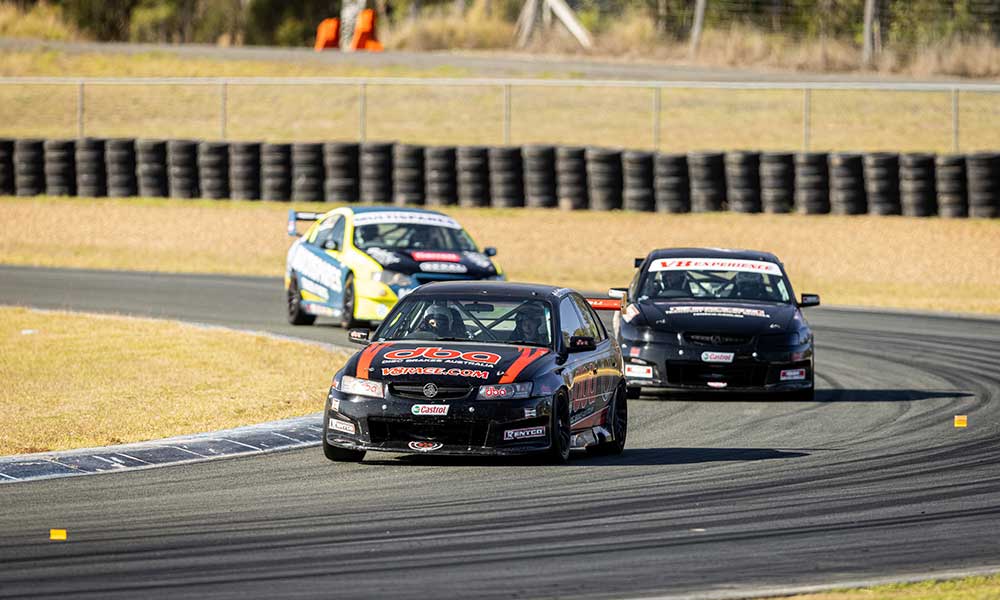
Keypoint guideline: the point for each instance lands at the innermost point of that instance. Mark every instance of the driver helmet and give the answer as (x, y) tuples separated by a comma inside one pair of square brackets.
[(437, 319), (528, 319), (751, 285)]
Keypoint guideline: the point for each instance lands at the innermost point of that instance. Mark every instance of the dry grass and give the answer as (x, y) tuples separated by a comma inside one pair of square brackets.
[(42, 22), (934, 264), (443, 28), (73, 381), (969, 588)]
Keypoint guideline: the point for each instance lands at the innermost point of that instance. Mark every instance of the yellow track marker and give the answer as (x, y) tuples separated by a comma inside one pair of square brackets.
[(961, 421), (57, 535)]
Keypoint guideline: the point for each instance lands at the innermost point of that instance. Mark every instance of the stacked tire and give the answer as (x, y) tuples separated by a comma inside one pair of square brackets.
[(307, 172), (708, 181), (604, 178), (119, 159), (882, 183), (6, 167), (182, 168), (151, 167), (671, 183), (506, 177), (244, 170), (950, 183), (917, 189), (60, 167), (473, 176), (540, 177), (637, 175), (571, 177), (213, 170), (812, 183), (440, 176), (276, 172), (847, 184), (91, 172), (408, 188), (983, 173), (777, 182), (376, 172), (29, 167), (743, 181), (340, 161)]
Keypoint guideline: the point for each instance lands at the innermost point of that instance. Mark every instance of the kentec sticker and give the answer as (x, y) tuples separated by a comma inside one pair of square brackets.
[(715, 264), (343, 426), (425, 446), (423, 255), (430, 410), (525, 433), (717, 357), (443, 267), (399, 216), (735, 312), (639, 371), (793, 374)]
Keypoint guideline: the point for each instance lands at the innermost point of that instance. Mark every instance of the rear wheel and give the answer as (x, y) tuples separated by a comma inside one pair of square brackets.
[(296, 315), (342, 454), (561, 435), (619, 426)]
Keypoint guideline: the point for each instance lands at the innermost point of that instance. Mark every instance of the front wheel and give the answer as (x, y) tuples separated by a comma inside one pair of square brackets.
[(618, 413), (296, 315), (561, 434), (342, 454), (347, 318)]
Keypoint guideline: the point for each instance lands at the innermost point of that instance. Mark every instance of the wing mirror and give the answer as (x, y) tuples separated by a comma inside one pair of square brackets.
[(359, 336), (617, 292), (581, 343), (331, 245), (809, 300), (490, 251), (638, 262)]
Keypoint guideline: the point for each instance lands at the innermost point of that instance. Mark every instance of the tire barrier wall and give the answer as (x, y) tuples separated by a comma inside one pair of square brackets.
[(536, 176)]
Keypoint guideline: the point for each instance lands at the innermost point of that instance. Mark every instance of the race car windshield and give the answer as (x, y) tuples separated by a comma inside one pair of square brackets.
[(715, 285), (504, 321), (412, 235)]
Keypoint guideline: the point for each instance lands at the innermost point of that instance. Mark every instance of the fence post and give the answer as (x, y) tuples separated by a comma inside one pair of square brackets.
[(362, 110), (223, 101), (954, 120), (80, 109), (656, 118), (506, 114), (806, 117)]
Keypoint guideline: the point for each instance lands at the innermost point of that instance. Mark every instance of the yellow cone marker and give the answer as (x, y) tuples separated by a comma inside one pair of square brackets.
[(57, 535), (961, 421)]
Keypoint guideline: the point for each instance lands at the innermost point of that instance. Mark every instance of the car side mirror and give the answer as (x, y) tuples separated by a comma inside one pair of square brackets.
[(331, 245), (359, 336), (809, 300), (638, 262), (490, 251), (618, 293), (581, 343)]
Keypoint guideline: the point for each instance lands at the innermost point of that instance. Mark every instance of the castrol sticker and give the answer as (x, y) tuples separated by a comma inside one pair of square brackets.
[(430, 410), (715, 264), (717, 357)]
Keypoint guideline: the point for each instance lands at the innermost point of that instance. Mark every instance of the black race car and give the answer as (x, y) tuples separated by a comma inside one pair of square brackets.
[(714, 320), (490, 368)]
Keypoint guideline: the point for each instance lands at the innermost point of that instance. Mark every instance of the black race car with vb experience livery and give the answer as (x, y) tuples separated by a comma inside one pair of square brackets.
[(715, 320), (481, 368)]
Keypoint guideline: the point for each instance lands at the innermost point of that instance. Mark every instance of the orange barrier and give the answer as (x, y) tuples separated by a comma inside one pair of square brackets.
[(364, 33), (328, 35)]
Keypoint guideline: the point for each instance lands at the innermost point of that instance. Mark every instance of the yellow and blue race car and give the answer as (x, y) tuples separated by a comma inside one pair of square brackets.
[(355, 263)]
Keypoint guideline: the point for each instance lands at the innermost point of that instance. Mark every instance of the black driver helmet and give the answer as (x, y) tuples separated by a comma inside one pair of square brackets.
[(528, 321), (437, 319)]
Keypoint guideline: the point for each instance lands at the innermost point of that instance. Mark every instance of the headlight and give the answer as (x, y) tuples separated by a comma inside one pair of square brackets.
[(505, 391), (361, 387), (392, 278), (785, 340)]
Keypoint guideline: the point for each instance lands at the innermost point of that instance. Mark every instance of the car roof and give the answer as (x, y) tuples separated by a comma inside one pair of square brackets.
[(490, 288), (374, 209), (713, 253)]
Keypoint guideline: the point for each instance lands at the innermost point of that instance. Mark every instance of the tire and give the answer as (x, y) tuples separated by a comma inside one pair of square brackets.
[(341, 454), (297, 316), (560, 427), (347, 320), (619, 426)]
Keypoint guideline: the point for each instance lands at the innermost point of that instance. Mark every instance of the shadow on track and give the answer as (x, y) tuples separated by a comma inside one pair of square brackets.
[(822, 395)]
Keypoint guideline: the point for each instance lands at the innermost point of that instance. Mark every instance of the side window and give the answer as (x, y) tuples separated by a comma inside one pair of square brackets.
[(570, 321), (590, 320), (331, 229), (337, 234)]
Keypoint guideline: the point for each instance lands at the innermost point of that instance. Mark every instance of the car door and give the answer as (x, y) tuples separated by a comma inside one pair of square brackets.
[(582, 367), (605, 359), (322, 274)]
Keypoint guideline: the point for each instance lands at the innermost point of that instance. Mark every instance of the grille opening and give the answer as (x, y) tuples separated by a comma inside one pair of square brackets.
[(451, 432), (415, 391), (734, 375)]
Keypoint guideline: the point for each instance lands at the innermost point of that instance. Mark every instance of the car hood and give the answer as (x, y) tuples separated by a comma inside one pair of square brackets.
[(445, 362), (744, 318), (472, 265)]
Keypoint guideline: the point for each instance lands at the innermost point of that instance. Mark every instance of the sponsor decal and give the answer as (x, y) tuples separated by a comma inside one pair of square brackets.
[(438, 353), (355, 334), (315, 268), (320, 310), (717, 384), (525, 433), (430, 256), (343, 426), (715, 264), (639, 371), (605, 303), (425, 446), (479, 259), (312, 287), (399, 371), (631, 311), (530, 413), (717, 357), (430, 410), (335, 404), (717, 311), (793, 374), (399, 216), (634, 351), (443, 267), (383, 257)]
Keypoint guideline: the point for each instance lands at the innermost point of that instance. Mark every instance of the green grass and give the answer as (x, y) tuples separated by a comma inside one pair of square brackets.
[(969, 588)]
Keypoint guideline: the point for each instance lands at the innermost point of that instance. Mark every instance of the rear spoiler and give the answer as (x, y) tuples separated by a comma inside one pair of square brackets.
[(295, 216), (605, 303)]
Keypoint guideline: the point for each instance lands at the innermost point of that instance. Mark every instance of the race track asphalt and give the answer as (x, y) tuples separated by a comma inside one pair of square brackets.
[(712, 498)]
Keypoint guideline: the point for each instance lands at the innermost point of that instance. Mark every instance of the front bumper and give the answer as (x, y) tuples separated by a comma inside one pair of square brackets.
[(470, 427), (663, 366)]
